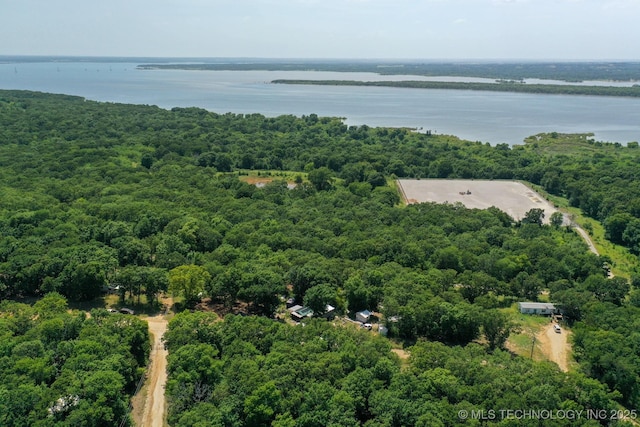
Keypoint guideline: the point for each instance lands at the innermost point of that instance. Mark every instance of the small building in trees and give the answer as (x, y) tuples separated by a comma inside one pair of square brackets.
[(363, 316), (543, 308), (329, 312), (294, 307), (299, 312)]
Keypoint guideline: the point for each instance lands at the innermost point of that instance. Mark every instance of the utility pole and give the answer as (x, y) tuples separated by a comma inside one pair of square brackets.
[(533, 344)]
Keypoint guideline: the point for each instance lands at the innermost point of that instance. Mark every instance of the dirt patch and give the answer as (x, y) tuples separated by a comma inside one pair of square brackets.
[(253, 180), (209, 305), (555, 346), (511, 197), (402, 354)]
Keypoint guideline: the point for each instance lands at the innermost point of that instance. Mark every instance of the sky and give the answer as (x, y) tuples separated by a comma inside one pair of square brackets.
[(393, 29)]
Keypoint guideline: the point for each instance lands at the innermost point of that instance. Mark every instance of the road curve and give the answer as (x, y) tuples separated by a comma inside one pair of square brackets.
[(586, 238)]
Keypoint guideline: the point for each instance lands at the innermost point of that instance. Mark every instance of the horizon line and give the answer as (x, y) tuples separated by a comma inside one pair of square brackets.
[(303, 59)]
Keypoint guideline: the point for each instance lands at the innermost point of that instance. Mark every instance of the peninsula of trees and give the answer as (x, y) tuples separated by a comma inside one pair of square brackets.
[(507, 76), (500, 86)]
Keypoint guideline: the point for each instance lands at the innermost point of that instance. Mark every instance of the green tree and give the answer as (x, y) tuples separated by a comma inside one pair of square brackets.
[(321, 178), (615, 226), (556, 219), (631, 236), (196, 363), (147, 160), (191, 328), (318, 297), (188, 281), (533, 216), (356, 293), (224, 163), (262, 405), (496, 328), (51, 305), (85, 281), (155, 282), (263, 292), (304, 277), (573, 303)]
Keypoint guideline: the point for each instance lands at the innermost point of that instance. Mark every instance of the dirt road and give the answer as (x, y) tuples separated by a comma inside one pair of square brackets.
[(586, 238), (154, 408), (555, 346)]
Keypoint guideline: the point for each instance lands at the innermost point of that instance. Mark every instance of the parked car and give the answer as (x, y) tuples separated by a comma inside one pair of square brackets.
[(127, 311), (367, 326), (556, 328)]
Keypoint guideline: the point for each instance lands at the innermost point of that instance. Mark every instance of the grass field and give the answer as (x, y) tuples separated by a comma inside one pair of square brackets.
[(521, 342)]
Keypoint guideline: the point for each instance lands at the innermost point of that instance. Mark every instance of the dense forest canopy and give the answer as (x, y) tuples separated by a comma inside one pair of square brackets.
[(60, 368), (253, 372), (97, 195)]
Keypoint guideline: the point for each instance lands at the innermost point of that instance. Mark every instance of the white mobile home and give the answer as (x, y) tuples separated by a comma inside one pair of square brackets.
[(544, 308)]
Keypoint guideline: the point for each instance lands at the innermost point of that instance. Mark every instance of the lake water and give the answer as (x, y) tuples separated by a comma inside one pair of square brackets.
[(495, 117)]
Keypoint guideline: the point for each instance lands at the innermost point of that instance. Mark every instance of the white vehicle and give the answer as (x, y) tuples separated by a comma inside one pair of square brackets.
[(556, 328), (367, 326)]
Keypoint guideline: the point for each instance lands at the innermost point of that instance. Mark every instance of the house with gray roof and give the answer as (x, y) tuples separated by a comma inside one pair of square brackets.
[(543, 308)]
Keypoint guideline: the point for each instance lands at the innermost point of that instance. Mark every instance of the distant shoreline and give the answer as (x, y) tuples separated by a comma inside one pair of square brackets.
[(621, 73), (552, 89), (569, 72)]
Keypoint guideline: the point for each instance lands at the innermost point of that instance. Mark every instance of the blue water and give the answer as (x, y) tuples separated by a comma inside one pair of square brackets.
[(478, 116)]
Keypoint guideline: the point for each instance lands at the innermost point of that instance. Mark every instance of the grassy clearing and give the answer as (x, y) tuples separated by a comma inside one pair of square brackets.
[(137, 404), (253, 176), (573, 144), (141, 307), (529, 325), (624, 264)]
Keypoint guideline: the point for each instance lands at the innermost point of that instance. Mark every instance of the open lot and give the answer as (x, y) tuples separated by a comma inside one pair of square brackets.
[(511, 197)]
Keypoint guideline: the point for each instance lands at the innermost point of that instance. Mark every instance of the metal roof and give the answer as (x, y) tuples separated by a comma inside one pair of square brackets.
[(546, 305)]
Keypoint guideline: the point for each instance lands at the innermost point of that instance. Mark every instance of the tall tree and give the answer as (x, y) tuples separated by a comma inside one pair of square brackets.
[(321, 178), (496, 327), (534, 216), (188, 281)]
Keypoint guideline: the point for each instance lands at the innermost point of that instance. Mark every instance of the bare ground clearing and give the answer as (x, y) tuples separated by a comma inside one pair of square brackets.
[(154, 409), (555, 346), (402, 354), (512, 197)]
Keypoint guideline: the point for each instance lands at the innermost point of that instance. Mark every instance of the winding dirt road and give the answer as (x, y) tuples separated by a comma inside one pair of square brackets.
[(154, 408), (586, 238)]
